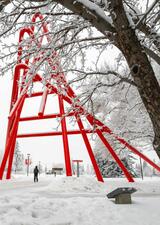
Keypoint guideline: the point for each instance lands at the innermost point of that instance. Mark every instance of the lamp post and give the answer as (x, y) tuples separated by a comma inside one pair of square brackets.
[(77, 161), (154, 172), (39, 166), (141, 167), (28, 162)]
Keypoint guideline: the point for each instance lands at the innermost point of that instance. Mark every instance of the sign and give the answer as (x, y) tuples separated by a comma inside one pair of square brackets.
[(28, 161), (77, 160)]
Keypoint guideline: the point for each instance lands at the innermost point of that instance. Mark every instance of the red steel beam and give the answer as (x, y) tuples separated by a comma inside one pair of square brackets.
[(15, 103), (135, 151), (56, 133), (40, 93), (65, 138), (48, 116), (115, 156), (43, 103), (10, 143), (36, 94), (89, 149), (16, 106)]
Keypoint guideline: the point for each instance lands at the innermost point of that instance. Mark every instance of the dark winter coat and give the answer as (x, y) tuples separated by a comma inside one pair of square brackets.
[(36, 171)]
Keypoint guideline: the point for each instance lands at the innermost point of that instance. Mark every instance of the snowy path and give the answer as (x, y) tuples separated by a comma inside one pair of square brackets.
[(17, 186), (72, 201), (28, 186), (21, 185)]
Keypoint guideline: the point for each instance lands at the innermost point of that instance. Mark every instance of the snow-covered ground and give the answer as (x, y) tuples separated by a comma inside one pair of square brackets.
[(76, 201)]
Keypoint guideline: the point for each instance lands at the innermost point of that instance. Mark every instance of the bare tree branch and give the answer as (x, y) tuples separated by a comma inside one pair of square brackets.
[(145, 15)]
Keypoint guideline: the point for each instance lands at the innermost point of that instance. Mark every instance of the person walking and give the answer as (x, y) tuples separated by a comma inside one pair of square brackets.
[(36, 172)]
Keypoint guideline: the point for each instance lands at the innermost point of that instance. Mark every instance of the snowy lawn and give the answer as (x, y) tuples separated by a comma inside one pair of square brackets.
[(78, 201)]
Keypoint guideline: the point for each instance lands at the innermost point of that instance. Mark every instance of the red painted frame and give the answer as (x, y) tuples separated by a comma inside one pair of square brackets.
[(19, 94)]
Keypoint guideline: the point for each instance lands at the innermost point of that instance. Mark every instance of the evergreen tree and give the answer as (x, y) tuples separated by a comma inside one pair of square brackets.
[(18, 160), (107, 165)]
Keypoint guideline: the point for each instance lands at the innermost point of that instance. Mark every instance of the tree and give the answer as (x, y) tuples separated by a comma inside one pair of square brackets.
[(108, 167), (18, 160), (122, 23), (124, 113)]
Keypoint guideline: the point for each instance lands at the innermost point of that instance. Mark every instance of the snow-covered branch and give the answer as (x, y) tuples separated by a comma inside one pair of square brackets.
[(145, 15)]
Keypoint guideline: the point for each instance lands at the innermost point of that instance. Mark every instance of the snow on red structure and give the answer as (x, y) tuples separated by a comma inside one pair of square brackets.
[(24, 71)]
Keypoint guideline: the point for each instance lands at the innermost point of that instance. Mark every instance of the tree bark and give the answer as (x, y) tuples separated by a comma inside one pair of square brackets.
[(139, 65), (3, 3)]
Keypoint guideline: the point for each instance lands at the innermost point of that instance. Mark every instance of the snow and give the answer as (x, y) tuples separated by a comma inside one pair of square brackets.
[(96, 9), (72, 184), (78, 201)]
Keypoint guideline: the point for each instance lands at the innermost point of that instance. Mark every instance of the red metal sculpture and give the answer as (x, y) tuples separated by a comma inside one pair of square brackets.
[(25, 75)]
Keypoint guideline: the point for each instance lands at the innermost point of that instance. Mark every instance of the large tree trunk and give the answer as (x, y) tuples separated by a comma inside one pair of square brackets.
[(140, 66)]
